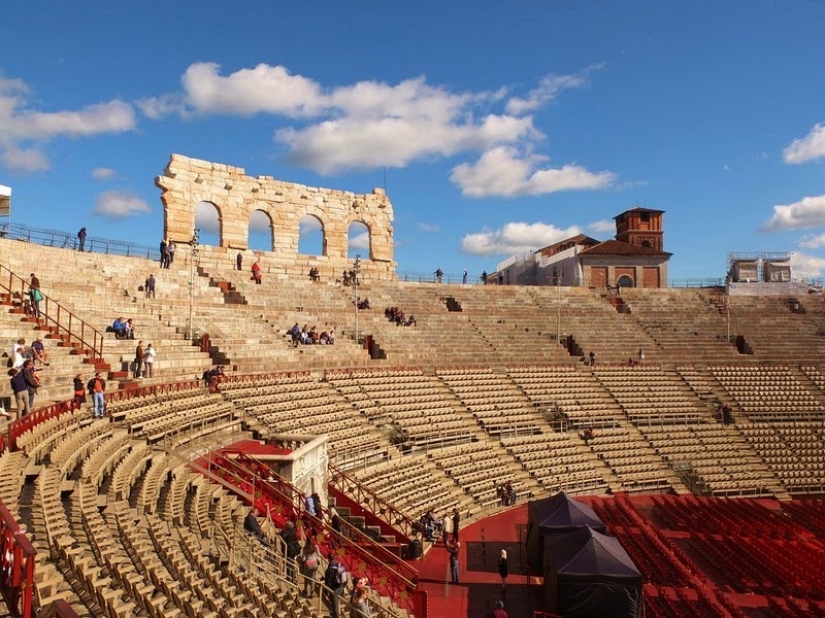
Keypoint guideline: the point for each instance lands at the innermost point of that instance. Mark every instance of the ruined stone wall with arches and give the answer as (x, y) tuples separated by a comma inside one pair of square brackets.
[(241, 201)]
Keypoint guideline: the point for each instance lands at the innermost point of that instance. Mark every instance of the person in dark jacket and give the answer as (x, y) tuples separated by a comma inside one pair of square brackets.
[(21, 392)]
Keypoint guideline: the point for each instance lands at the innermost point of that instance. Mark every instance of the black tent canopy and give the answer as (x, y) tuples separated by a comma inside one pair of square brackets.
[(590, 574), (557, 515)]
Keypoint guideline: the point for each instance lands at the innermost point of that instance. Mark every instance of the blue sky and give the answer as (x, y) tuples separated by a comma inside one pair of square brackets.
[(503, 126)]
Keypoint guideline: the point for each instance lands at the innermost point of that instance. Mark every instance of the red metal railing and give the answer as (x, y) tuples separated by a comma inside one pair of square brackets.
[(403, 525), (16, 567), (56, 316), (388, 573), (26, 423)]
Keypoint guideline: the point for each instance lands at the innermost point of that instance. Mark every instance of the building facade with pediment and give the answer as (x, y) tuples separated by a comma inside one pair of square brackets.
[(634, 258)]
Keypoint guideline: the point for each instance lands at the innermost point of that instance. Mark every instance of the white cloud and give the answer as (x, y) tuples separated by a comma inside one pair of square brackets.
[(23, 130), (120, 205), (811, 241), (549, 87), (207, 219), (23, 160), (805, 266), (605, 226), (515, 237), (806, 213), (259, 221), (427, 227), (369, 124), (103, 173), (812, 146), (502, 172), (309, 224), (360, 241)]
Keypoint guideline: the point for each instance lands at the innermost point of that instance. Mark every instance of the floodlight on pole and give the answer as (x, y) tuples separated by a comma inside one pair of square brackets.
[(357, 270), (194, 245)]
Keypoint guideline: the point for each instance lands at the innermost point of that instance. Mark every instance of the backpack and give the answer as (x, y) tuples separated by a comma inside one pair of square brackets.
[(333, 577)]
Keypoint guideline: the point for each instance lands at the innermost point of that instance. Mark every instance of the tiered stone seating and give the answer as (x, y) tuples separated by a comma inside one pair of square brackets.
[(628, 455), (712, 459), (768, 392), (650, 395), (492, 398), (559, 462), (595, 324), (415, 485), (774, 332), (480, 468), (679, 319), (415, 408), (793, 451), (302, 404), (562, 390)]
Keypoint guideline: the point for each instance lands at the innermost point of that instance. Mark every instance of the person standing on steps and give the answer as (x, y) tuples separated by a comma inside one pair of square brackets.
[(138, 360), (148, 360), (35, 295), (149, 286), (97, 386), (239, 261)]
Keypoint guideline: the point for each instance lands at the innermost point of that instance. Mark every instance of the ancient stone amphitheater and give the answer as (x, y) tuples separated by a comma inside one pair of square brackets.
[(111, 517)]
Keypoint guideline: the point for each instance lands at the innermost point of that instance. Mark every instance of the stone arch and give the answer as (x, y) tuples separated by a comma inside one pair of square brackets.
[(185, 182), (209, 222), (260, 231), (311, 236), (625, 281), (359, 238)]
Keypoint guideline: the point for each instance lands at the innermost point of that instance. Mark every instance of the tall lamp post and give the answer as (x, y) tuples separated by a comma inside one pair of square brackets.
[(357, 270), (194, 245)]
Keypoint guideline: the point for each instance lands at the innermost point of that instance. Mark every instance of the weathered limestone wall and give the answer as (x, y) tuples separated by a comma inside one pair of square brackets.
[(187, 182)]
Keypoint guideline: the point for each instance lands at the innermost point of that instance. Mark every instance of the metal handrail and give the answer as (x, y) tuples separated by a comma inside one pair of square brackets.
[(391, 576), (375, 503), (68, 240), (17, 559), (55, 314)]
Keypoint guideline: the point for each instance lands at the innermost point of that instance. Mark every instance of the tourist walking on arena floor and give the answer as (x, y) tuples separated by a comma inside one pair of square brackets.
[(456, 522), (454, 548), (499, 612), (503, 569)]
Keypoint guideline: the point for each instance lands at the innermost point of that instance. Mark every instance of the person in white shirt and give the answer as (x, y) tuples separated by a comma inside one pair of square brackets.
[(148, 360)]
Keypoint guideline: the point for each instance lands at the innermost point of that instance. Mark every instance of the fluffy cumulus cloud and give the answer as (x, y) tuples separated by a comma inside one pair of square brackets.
[(372, 124), (804, 266), (24, 130), (515, 237), (360, 241), (806, 213), (807, 148), (427, 227), (120, 205), (503, 172)]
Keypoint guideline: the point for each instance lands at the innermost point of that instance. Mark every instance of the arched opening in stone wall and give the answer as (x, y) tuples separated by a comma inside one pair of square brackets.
[(208, 221), (358, 240), (311, 239), (261, 235)]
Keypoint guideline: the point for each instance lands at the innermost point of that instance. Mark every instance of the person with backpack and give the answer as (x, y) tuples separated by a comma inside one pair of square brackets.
[(335, 578), (310, 563)]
